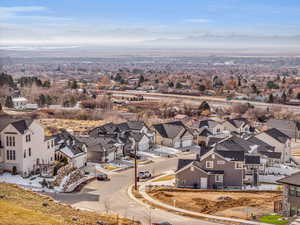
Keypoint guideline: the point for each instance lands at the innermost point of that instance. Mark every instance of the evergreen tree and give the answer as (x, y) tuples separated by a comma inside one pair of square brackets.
[(8, 102), (271, 98), (42, 100), (74, 84), (284, 97)]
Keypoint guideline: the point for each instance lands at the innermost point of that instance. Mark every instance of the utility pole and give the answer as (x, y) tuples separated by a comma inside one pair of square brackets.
[(135, 164)]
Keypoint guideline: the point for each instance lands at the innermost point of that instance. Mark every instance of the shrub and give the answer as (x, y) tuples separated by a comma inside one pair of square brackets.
[(14, 170)]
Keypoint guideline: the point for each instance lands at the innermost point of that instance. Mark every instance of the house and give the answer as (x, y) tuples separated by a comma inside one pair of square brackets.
[(123, 132), (70, 148), (280, 141), (289, 127), (203, 137), (267, 152), (19, 103), (291, 194), (237, 125), (24, 148), (212, 169), (101, 150), (173, 134), (212, 126)]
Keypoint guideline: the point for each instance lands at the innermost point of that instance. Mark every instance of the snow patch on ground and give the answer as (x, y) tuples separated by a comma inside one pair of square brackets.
[(167, 150), (148, 154), (28, 183)]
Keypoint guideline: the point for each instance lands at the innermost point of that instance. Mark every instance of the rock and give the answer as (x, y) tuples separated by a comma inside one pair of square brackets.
[(2, 196), (100, 223), (75, 218), (45, 204), (224, 198)]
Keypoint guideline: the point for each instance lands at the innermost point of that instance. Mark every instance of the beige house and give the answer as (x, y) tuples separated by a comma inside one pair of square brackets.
[(173, 134), (24, 148), (237, 125), (280, 141)]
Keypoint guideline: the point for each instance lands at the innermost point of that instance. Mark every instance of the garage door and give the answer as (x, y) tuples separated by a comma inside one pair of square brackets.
[(187, 143), (177, 144)]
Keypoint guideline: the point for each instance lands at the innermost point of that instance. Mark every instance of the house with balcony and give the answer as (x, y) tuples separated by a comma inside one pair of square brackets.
[(24, 148)]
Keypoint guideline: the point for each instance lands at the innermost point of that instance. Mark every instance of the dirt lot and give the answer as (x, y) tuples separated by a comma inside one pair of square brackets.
[(235, 204)]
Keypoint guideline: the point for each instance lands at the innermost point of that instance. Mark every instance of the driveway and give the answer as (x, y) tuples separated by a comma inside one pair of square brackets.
[(112, 197)]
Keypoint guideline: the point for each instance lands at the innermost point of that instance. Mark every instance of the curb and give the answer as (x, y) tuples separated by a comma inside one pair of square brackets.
[(208, 216)]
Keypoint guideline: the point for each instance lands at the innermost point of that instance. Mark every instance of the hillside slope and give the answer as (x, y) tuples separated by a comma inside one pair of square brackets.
[(19, 206)]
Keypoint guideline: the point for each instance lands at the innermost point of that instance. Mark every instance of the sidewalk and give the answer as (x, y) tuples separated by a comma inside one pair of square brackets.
[(143, 192)]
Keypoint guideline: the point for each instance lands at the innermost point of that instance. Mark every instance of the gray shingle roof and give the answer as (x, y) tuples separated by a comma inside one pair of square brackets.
[(21, 125), (238, 122), (278, 135), (169, 130), (288, 127), (232, 155), (293, 179), (252, 159)]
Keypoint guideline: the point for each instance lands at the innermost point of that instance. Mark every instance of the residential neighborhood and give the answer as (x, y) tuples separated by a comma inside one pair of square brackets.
[(150, 112)]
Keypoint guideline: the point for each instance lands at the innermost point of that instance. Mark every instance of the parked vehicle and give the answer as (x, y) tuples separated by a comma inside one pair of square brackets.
[(144, 175), (102, 177)]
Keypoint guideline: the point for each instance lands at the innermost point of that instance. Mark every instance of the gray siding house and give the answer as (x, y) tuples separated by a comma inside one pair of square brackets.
[(213, 169)]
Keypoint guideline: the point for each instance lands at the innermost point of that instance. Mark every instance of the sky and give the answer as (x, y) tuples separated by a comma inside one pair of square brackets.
[(189, 23)]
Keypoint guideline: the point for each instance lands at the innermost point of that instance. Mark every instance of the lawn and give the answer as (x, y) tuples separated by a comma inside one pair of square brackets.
[(110, 167), (273, 219), (164, 178), (19, 206)]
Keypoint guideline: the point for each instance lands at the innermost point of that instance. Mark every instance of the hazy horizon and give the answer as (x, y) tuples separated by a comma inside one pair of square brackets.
[(208, 24)]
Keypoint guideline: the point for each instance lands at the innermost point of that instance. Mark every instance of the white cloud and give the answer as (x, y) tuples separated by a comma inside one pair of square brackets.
[(197, 20), (13, 12)]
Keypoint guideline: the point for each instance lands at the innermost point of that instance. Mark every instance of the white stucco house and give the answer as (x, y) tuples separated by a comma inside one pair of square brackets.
[(24, 148), (19, 103)]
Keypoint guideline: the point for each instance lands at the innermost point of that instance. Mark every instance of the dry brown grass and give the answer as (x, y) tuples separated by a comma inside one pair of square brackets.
[(74, 125), (240, 204), (23, 202)]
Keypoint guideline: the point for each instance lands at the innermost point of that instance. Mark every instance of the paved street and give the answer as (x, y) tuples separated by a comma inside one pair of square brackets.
[(112, 197)]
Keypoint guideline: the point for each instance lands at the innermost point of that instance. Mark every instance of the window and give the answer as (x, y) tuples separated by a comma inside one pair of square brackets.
[(219, 178), (292, 191), (29, 152), (298, 191), (52, 143), (28, 138), (192, 169), (48, 144), (220, 162), (209, 164), (10, 141), (11, 155), (239, 165)]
